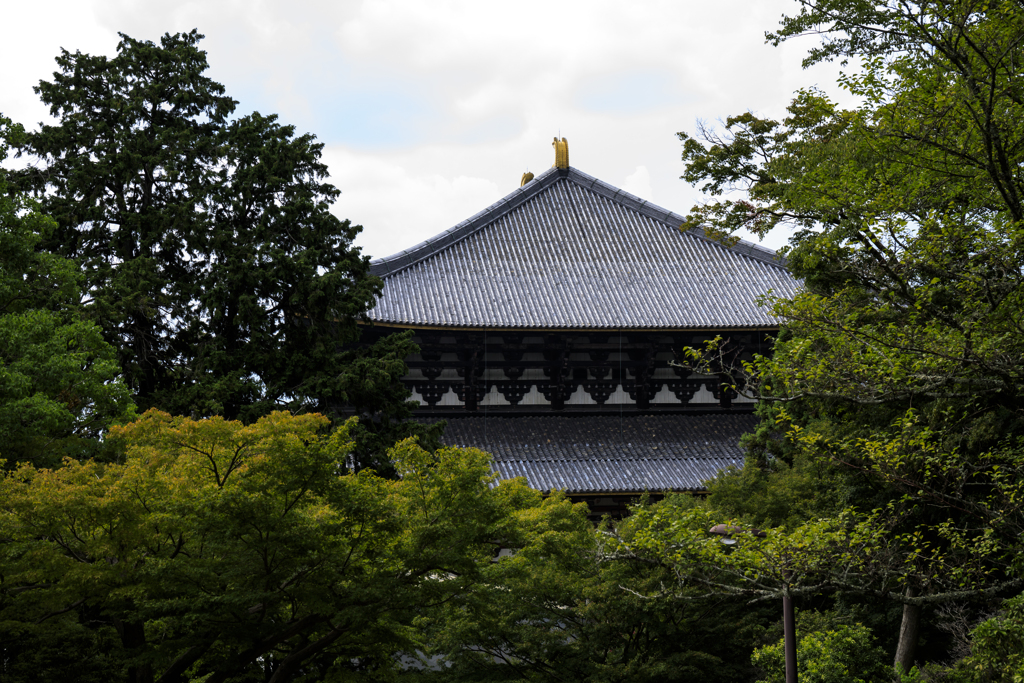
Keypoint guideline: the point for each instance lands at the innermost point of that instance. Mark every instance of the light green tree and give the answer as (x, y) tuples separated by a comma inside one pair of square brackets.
[(845, 654), (900, 362), (218, 551), (60, 384), (997, 647)]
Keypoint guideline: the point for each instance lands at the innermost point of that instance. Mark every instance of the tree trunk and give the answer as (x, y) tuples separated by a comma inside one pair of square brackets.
[(133, 638), (789, 637), (908, 635)]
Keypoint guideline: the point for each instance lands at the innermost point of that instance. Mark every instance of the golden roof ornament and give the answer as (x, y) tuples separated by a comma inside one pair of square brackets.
[(561, 153), (527, 177)]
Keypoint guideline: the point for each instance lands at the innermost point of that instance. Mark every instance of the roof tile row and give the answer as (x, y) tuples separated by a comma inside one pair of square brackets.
[(576, 253), (607, 453)]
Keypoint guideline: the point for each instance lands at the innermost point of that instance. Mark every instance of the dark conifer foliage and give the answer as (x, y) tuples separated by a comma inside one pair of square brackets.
[(210, 256)]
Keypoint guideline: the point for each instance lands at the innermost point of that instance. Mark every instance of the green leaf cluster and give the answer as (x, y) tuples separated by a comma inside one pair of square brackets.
[(997, 648), (845, 654), (211, 258), (219, 551), (895, 385), (59, 379), (565, 605)]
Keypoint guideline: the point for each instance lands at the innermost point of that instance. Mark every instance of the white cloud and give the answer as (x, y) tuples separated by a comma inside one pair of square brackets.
[(639, 183), (35, 34), (432, 110), (398, 207)]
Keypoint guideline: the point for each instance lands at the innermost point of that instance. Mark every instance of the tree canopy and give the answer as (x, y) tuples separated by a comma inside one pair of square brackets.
[(229, 552), (210, 257), (565, 606), (59, 379), (897, 376), (909, 232)]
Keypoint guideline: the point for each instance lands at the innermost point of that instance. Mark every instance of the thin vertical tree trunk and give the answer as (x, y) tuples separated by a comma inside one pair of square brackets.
[(789, 637), (909, 628)]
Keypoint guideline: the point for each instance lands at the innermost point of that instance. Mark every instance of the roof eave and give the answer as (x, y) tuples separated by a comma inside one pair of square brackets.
[(553, 329)]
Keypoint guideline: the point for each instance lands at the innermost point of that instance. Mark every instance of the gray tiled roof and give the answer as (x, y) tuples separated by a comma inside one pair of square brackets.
[(607, 453), (569, 251)]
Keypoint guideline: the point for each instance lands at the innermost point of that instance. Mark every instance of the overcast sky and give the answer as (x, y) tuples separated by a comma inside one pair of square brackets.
[(431, 110)]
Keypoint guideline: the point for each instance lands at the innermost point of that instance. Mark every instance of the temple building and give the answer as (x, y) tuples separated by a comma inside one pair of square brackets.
[(547, 325)]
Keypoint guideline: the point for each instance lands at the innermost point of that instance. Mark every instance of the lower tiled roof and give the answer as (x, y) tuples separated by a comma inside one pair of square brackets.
[(607, 453)]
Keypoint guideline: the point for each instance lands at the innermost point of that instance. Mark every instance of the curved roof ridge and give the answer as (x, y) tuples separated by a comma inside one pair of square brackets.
[(427, 248), (391, 264)]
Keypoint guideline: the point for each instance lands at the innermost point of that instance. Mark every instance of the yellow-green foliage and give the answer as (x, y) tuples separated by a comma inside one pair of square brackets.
[(244, 548), (845, 654)]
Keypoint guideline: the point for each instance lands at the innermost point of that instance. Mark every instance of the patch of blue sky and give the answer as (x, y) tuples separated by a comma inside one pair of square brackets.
[(377, 118), (319, 90), (629, 92), (338, 111)]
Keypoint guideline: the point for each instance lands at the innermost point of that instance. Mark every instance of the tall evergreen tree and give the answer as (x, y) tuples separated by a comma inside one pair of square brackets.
[(211, 259)]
